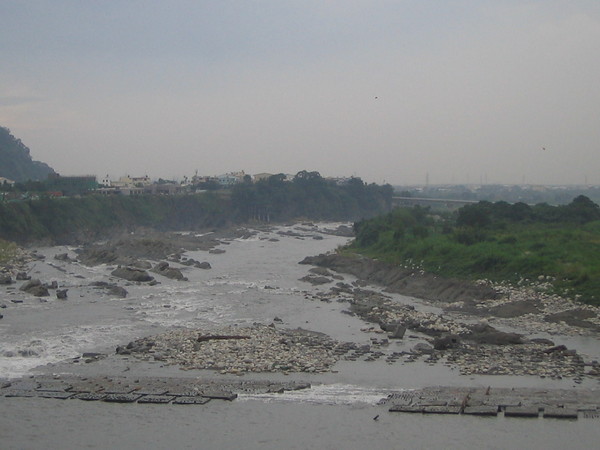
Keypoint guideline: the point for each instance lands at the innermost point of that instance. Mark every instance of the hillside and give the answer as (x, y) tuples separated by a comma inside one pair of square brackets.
[(15, 161)]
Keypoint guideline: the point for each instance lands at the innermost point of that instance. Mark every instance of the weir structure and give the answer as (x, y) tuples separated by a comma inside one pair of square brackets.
[(508, 402)]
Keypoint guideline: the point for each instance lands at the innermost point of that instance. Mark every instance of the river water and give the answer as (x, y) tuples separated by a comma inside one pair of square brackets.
[(255, 280)]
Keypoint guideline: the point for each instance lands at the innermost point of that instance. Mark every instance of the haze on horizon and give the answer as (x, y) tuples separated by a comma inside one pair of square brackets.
[(503, 91)]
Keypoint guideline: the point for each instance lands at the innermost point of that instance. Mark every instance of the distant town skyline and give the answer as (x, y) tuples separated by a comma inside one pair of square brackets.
[(407, 92)]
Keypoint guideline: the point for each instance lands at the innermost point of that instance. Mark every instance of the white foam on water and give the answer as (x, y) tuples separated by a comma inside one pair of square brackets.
[(325, 394), (253, 238), (221, 281), (233, 294), (181, 306), (17, 358), (189, 233)]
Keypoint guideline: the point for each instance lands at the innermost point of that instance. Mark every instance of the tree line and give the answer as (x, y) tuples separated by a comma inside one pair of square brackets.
[(308, 196)]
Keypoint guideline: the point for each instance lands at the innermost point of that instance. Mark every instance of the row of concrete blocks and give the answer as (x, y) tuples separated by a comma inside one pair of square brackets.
[(124, 397), (553, 412)]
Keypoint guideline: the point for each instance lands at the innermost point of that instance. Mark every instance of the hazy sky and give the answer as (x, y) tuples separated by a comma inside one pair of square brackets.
[(500, 91)]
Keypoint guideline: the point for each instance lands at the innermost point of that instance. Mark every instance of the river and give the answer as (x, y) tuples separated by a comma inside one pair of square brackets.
[(255, 280)]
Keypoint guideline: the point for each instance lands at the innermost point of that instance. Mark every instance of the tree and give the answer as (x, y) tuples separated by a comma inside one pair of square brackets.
[(583, 210), (476, 216)]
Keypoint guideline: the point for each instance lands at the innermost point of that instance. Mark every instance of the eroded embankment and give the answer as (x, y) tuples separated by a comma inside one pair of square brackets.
[(409, 282)]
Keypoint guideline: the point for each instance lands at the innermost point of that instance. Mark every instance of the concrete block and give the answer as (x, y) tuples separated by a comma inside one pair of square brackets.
[(481, 410), (197, 400), (121, 398), (521, 411), (158, 399)]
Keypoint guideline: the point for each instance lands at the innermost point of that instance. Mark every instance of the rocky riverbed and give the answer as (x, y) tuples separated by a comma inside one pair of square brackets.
[(468, 331), (478, 328), (247, 310), (239, 350)]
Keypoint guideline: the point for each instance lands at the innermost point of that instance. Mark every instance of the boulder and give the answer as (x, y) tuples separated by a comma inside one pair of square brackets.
[(5, 278), (139, 263), (38, 291), (398, 332), (542, 341), (61, 294), (132, 274), (163, 268), (316, 280), (486, 334), (173, 273), (62, 257), (203, 265), (555, 349), (52, 285), (22, 276), (35, 287), (117, 291), (423, 348), (446, 342)]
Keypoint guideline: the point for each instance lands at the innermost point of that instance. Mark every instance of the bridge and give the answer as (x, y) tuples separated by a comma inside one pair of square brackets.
[(435, 203)]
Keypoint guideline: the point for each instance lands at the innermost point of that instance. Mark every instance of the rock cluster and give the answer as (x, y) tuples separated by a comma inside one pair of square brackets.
[(178, 258), (238, 350), (163, 268), (533, 308), (377, 308), (132, 274), (35, 287), (110, 288), (529, 359)]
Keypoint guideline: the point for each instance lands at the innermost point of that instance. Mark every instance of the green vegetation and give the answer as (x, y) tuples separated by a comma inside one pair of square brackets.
[(309, 197), (15, 161), (65, 219), (496, 241), (7, 251)]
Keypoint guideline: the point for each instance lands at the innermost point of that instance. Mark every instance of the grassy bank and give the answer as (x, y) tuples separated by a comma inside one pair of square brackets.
[(8, 251), (548, 244)]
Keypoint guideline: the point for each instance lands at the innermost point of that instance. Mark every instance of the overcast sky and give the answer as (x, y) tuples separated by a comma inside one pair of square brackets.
[(460, 91)]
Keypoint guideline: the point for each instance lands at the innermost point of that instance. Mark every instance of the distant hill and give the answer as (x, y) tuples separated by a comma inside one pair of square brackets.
[(15, 161)]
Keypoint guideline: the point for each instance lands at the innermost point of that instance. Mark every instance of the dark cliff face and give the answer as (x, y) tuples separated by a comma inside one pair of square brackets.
[(15, 161)]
